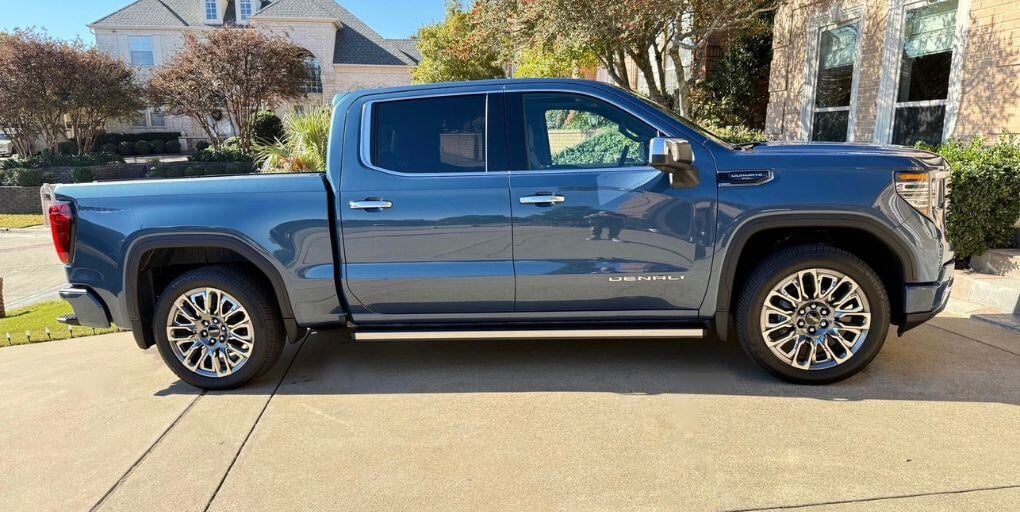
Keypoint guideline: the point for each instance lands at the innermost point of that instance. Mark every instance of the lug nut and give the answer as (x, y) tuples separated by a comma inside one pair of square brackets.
[(825, 324), (811, 330), (800, 323), (215, 320), (814, 306), (801, 312), (825, 311)]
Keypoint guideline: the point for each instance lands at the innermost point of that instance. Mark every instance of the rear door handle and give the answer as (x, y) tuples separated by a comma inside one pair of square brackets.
[(370, 204), (540, 199)]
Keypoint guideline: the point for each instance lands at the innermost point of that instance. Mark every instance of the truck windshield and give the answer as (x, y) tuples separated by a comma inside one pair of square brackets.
[(687, 122)]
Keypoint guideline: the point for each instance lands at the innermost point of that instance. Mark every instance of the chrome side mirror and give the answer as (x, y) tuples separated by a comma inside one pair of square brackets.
[(674, 157), (670, 155)]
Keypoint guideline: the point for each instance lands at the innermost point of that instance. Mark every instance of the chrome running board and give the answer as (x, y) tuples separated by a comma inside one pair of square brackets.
[(533, 334)]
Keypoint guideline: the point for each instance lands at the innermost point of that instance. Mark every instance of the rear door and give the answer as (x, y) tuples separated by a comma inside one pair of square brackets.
[(425, 208), (595, 227)]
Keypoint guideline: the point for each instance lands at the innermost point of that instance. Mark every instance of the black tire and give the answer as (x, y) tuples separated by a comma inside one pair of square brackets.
[(786, 262), (269, 337)]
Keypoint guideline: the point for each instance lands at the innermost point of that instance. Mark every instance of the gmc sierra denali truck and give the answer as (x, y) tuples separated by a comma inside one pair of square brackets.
[(534, 209)]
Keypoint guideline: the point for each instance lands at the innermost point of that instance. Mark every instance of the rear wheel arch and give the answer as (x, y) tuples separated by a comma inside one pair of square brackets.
[(200, 249), (865, 237)]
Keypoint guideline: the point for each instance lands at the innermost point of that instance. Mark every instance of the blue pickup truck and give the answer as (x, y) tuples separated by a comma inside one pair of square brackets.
[(519, 209)]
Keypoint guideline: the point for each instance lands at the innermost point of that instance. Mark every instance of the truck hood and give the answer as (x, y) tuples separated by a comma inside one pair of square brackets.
[(831, 149)]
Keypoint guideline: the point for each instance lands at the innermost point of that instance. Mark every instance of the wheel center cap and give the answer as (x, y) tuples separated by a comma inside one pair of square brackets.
[(214, 331), (813, 318)]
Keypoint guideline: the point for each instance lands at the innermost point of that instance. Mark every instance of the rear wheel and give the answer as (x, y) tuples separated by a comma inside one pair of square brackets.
[(217, 328), (813, 314)]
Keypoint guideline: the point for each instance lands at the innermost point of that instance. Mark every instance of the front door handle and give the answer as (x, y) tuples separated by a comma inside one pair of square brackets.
[(370, 204), (543, 200)]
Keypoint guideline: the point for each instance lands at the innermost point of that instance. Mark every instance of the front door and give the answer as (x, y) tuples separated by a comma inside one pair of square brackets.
[(425, 214), (595, 228)]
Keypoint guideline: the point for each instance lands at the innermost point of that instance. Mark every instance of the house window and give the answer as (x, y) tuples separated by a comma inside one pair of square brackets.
[(153, 117), (141, 51), (925, 66), (245, 6), (157, 118), (313, 79), (211, 10), (837, 50)]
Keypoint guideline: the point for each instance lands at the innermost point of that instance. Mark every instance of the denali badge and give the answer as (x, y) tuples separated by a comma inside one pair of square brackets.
[(631, 279)]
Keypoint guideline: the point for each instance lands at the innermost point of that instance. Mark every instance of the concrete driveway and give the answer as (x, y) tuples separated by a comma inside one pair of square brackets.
[(933, 424), (31, 270)]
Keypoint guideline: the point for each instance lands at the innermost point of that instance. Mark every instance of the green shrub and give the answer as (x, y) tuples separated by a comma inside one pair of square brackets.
[(117, 138), (82, 175), (606, 146), (736, 134), (202, 145), (28, 178), (158, 146), (143, 147), (984, 199), (268, 127), (109, 147), (126, 148), (229, 151), (172, 146), (47, 159)]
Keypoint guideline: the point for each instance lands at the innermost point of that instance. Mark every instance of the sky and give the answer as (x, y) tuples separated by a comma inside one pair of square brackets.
[(66, 19)]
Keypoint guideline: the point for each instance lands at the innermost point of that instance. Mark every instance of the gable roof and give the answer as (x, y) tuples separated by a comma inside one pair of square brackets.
[(356, 42), (147, 13)]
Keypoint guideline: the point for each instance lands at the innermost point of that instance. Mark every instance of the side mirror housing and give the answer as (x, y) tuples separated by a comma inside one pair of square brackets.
[(676, 158), (669, 155)]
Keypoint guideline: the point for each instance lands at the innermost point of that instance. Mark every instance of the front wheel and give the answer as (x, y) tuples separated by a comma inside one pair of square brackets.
[(813, 314), (217, 328)]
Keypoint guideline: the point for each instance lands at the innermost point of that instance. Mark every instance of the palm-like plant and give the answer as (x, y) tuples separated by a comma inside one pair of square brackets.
[(304, 144)]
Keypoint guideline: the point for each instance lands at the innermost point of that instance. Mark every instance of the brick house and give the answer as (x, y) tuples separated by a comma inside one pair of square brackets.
[(894, 71), (343, 53)]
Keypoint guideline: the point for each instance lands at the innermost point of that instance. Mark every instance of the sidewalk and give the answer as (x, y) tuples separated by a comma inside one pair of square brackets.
[(29, 265)]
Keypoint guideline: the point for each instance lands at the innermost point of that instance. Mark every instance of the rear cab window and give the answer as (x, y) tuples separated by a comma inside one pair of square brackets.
[(444, 134)]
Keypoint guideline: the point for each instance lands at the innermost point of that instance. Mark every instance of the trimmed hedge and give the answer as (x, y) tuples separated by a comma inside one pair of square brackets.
[(117, 138), (47, 159), (984, 201)]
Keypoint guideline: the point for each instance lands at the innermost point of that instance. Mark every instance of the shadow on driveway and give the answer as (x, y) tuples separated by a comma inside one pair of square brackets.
[(927, 364)]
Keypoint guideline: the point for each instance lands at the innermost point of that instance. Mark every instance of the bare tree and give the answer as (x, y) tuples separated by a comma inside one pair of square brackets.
[(240, 70)]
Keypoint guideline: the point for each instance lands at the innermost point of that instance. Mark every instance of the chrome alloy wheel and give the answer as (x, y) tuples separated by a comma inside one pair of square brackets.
[(815, 319), (210, 332)]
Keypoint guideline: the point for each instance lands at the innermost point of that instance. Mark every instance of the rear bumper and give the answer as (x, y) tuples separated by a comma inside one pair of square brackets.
[(923, 301), (89, 310)]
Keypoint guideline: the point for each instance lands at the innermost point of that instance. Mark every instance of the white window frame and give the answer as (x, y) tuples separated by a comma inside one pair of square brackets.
[(240, 10), (215, 4), (151, 50), (892, 60), (146, 117), (834, 18)]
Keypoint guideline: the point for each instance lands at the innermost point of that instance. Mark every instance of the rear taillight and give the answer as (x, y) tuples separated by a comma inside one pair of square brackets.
[(62, 227)]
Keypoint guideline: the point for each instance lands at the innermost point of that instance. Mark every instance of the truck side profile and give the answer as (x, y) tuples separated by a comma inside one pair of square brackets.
[(519, 209)]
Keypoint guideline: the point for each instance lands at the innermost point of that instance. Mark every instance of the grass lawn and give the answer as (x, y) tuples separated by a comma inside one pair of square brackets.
[(35, 319), (20, 221)]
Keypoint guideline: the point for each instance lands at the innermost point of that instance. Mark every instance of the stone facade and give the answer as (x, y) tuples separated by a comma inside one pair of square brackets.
[(20, 200), (983, 98)]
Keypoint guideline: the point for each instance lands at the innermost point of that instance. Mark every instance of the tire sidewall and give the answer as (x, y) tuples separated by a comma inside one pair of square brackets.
[(251, 368), (754, 343)]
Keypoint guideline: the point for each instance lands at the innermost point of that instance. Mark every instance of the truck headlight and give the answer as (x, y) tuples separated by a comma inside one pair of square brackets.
[(916, 188)]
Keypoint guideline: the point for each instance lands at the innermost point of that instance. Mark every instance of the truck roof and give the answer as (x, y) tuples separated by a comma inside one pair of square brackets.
[(478, 84)]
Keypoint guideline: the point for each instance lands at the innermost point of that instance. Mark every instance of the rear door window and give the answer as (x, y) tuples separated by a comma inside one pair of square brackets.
[(429, 135)]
